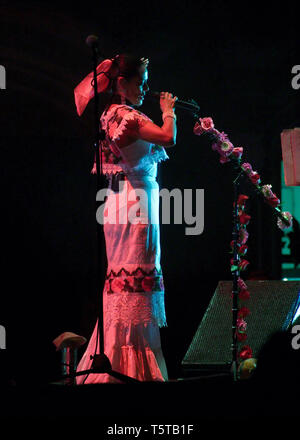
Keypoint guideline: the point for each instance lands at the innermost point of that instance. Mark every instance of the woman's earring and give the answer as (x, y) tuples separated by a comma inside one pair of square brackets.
[(123, 99)]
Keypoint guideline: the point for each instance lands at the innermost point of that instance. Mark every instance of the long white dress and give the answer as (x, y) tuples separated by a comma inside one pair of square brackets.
[(133, 295)]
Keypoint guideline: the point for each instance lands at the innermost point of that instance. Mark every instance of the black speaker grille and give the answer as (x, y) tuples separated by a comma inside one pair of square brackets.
[(270, 303)]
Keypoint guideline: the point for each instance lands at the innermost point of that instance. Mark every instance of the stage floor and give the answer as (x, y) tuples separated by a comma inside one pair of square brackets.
[(176, 401)]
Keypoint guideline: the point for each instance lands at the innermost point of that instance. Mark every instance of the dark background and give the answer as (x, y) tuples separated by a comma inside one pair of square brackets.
[(236, 63)]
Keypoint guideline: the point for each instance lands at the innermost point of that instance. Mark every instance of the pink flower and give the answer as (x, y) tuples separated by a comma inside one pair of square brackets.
[(270, 197), (253, 175), (243, 235), (222, 136), (247, 167), (224, 159), (223, 148), (226, 148), (198, 130), (215, 133), (242, 325), (288, 217), (266, 190), (241, 284), (207, 123)]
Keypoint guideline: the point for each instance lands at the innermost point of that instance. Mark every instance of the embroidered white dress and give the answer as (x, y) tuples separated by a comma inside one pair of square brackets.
[(133, 295)]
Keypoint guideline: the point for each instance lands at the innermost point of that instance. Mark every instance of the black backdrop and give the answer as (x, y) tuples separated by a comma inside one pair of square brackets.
[(236, 63)]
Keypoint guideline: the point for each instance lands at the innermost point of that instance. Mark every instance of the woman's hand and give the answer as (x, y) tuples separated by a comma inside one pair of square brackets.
[(167, 102)]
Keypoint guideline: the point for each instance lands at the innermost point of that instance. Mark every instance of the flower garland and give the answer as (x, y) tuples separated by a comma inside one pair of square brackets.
[(228, 152), (244, 219)]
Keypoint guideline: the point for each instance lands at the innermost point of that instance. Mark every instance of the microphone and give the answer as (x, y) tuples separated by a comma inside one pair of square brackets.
[(190, 105), (92, 41)]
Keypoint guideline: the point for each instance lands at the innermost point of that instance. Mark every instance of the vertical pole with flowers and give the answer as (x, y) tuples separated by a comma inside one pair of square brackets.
[(235, 272), (229, 153)]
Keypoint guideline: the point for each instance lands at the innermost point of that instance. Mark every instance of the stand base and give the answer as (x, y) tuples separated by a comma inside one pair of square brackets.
[(101, 365)]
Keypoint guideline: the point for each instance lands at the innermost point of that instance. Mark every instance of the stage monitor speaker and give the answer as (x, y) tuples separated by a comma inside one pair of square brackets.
[(272, 304)]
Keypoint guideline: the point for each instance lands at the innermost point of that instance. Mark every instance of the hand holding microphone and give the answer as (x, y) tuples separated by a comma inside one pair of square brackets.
[(190, 106), (167, 103)]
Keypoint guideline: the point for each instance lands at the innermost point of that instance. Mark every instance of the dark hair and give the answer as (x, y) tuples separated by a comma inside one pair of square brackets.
[(128, 67)]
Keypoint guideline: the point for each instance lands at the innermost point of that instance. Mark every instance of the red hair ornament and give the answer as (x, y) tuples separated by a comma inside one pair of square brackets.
[(107, 71), (84, 92)]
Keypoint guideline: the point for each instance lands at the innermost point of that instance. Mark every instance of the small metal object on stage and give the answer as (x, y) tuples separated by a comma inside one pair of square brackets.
[(69, 343)]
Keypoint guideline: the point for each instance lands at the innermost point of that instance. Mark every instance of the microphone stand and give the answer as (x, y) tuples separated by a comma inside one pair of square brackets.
[(101, 364)]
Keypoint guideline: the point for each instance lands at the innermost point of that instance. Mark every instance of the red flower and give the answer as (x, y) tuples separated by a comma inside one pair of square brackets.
[(243, 249), (244, 294), (237, 152), (254, 177), (245, 352), (244, 218), (148, 283), (242, 199), (243, 264), (243, 312), (273, 201), (241, 336), (198, 130)]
